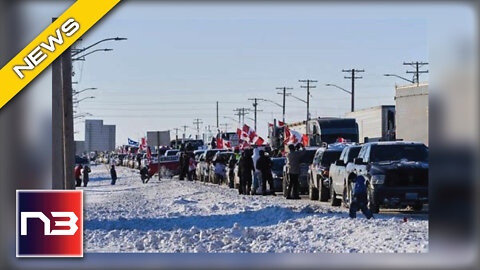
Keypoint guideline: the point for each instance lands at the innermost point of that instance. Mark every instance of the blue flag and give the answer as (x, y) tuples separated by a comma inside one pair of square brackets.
[(132, 142)]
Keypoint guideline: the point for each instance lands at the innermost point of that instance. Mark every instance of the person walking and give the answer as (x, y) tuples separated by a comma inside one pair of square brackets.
[(293, 163), (113, 174), (246, 169), (78, 175), (264, 165), (360, 200), (86, 172)]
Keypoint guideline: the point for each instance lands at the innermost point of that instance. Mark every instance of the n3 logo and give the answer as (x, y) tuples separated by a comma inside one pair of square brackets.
[(46, 222), (49, 223)]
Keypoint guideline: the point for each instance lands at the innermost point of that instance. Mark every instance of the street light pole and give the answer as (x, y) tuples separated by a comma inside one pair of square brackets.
[(82, 57), (77, 52), (400, 77), (344, 90), (81, 91), (78, 101)]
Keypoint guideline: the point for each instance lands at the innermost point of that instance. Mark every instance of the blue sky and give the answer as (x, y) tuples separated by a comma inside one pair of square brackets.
[(181, 58)]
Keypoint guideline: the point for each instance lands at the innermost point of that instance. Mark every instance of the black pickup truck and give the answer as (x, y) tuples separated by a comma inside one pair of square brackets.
[(396, 174)]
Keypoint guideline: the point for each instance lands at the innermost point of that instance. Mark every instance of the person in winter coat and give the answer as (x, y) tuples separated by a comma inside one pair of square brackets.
[(246, 169), (231, 173), (78, 175), (86, 178), (293, 163), (113, 174), (359, 200), (264, 165), (144, 175), (192, 166)]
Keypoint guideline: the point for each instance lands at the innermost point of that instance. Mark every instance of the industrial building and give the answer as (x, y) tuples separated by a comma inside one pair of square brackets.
[(99, 137), (411, 118), (375, 123)]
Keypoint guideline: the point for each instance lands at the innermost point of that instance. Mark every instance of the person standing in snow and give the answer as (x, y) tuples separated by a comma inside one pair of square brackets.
[(359, 200), (144, 175), (113, 174), (293, 163), (231, 166), (246, 169), (264, 165), (86, 178), (78, 175)]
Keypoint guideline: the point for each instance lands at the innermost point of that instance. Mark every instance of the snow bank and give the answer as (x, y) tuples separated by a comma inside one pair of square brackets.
[(180, 216)]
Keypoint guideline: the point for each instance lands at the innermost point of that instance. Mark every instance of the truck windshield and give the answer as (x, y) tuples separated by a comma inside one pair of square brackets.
[(399, 152)]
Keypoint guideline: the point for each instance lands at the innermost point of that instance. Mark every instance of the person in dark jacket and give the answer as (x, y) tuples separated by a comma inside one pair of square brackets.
[(113, 174), (86, 172), (144, 175), (246, 169), (264, 165), (359, 200), (78, 175), (293, 163), (231, 173)]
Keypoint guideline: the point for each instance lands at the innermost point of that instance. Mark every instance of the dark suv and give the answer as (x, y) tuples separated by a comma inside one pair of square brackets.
[(396, 174)]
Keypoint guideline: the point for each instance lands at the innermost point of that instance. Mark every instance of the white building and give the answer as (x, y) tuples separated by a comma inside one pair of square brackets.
[(99, 137), (411, 117)]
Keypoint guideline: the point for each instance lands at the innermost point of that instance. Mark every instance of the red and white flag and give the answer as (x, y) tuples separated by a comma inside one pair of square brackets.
[(295, 137), (281, 124), (149, 153)]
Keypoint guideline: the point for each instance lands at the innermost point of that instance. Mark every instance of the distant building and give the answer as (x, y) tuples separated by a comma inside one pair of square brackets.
[(412, 112), (99, 137), (375, 123), (79, 147)]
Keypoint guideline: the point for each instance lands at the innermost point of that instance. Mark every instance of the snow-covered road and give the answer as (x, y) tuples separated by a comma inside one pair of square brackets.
[(181, 216)]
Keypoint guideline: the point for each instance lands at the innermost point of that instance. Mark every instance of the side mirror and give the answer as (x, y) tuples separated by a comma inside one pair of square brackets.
[(358, 161), (340, 162)]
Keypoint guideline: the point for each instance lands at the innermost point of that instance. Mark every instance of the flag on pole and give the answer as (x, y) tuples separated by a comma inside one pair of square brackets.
[(132, 142)]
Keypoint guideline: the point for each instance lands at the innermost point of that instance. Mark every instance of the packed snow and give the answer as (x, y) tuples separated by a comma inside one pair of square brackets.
[(182, 216)]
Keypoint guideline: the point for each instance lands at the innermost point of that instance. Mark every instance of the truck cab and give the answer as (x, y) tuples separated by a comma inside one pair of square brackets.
[(396, 174)]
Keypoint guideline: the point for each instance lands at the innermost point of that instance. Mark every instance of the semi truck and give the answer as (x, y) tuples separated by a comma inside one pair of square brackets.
[(327, 130)]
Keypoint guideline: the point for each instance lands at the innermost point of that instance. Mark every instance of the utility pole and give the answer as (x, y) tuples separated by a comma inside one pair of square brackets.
[(184, 132), (225, 125), (241, 112), (217, 115), (284, 93), (176, 137), (197, 122), (63, 152), (308, 86), (417, 65), (353, 77), (255, 110)]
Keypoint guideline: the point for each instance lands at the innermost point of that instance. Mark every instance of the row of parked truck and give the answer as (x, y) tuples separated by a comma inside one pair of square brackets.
[(396, 172)]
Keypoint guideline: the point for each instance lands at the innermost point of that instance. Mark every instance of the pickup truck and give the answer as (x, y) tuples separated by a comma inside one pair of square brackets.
[(339, 172), (318, 171), (396, 174)]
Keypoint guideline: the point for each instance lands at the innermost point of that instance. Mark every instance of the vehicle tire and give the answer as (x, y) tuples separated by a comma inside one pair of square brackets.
[(417, 207), (374, 208), (346, 196), (333, 197), (312, 192), (324, 192)]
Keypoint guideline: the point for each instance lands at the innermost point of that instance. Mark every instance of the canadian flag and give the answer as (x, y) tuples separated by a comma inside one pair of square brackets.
[(295, 137), (281, 124), (259, 141), (223, 144), (149, 153), (143, 145)]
